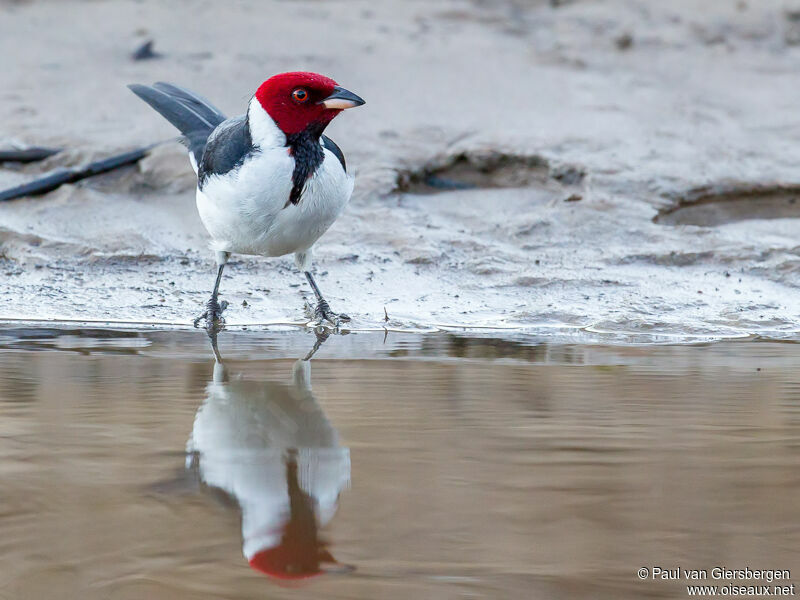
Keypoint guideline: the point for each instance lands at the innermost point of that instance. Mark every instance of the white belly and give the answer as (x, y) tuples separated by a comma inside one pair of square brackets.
[(245, 212)]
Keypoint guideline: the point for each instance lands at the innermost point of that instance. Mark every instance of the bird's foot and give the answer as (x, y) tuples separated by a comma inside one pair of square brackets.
[(213, 316), (322, 312)]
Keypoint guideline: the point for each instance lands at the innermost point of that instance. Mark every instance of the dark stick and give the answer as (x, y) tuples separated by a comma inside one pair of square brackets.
[(39, 186), (53, 180), (27, 155)]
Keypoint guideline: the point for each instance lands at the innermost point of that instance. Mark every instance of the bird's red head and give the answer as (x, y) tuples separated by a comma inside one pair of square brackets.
[(298, 100)]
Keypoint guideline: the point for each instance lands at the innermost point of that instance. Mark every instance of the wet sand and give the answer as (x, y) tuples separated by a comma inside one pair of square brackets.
[(624, 108)]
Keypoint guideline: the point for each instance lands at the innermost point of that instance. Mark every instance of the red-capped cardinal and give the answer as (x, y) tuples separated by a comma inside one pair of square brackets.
[(268, 182)]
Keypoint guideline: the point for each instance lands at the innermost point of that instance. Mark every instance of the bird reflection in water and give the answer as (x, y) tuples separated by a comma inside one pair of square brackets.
[(270, 446)]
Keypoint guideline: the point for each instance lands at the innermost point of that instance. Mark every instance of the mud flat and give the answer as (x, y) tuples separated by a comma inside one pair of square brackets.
[(623, 169)]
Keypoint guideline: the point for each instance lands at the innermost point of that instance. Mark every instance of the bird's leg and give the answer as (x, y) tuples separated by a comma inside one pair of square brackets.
[(220, 372), (323, 312), (322, 335), (214, 309)]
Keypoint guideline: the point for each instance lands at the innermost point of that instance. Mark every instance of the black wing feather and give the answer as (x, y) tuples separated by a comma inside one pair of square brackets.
[(227, 148), (329, 144), (190, 114), (194, 100)]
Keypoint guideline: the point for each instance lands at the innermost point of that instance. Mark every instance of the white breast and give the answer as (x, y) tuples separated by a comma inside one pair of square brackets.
[(296, 227)]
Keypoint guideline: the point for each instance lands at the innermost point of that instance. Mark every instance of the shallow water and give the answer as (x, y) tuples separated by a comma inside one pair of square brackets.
[(434, 466)]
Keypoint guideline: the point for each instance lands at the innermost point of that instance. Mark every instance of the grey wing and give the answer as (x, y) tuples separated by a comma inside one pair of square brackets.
[(228, 146), (329, 144)]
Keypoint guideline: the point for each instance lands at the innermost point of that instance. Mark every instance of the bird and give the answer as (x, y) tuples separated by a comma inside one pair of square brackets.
[(270, 446), (269, 182)]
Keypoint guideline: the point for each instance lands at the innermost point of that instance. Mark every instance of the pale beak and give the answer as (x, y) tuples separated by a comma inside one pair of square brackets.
[(341, 99)]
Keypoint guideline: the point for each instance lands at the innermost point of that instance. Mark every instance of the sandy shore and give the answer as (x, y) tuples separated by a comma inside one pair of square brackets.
[(603, 115)]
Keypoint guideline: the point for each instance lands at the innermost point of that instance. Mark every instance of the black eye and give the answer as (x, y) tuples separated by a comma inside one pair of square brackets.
[(300, 95)]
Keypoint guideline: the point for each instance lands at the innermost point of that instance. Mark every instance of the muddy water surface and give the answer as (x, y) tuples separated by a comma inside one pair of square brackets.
[(135, 465)]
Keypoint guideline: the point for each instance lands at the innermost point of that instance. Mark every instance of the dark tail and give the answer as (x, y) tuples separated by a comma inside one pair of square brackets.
[(194, 116)]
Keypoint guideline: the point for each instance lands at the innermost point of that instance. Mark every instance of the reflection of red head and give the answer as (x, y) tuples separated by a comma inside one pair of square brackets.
[(301, 552), (285, 563)]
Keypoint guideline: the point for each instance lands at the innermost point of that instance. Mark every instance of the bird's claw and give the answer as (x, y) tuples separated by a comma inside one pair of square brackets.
[(323, 312), (213, 316)]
